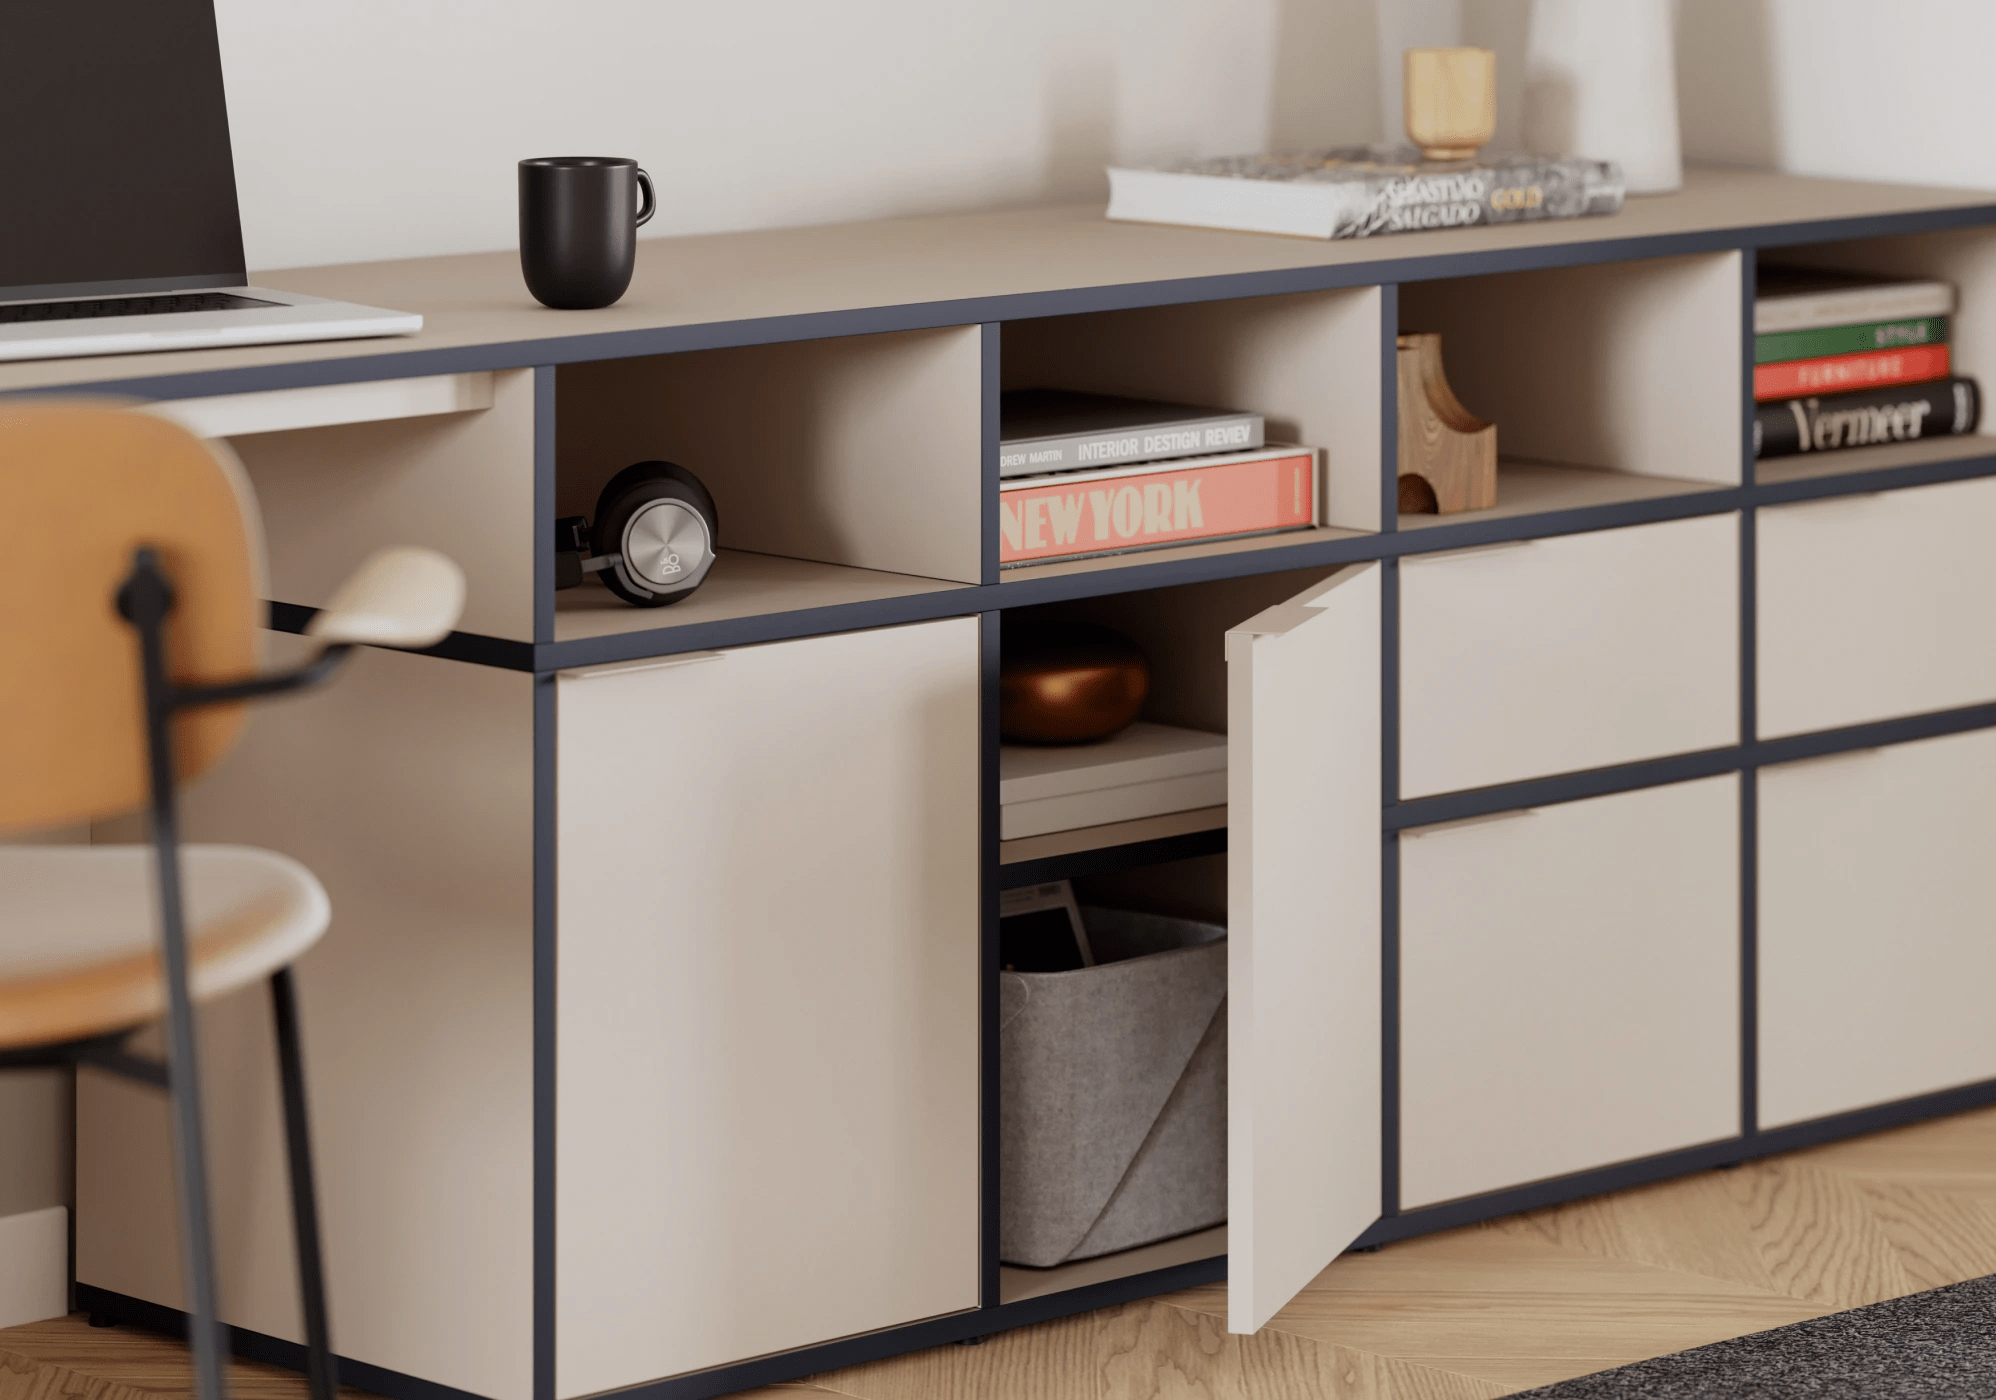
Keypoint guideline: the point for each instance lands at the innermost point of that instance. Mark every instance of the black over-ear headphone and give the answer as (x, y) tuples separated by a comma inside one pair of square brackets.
[(654, 537)]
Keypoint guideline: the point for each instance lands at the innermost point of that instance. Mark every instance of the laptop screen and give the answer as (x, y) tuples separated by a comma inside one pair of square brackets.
[(115, 171)]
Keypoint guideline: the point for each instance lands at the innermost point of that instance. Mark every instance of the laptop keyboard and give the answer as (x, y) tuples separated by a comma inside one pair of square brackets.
[(124, 306)]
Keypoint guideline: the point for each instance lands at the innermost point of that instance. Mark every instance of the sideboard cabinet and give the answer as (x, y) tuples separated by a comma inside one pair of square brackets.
[(1630, 827)]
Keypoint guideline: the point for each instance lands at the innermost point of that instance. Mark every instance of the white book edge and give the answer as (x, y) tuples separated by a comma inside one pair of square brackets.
[(1270, 452), (1302, 209), (1117, 804), (1142, 753), (1851, 306)]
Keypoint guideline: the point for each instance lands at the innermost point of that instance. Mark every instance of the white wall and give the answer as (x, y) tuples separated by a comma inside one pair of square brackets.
[(390, 128), (1862, 89)]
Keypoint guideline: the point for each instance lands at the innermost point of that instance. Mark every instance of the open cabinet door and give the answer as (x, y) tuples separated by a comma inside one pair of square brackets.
[(1303, 990)]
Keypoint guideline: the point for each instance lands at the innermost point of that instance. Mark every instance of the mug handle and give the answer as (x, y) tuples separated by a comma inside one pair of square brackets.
[(650, 205)]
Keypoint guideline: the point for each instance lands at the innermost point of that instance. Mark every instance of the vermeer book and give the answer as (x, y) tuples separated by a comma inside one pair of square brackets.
[(1359, 191), (1078, 514), (1868, 418)]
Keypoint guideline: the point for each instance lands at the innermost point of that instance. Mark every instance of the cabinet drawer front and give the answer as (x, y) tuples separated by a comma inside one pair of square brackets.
[(1550, 656), (1876, 951), (767, 1000), (1874, 606), (1569, 983)]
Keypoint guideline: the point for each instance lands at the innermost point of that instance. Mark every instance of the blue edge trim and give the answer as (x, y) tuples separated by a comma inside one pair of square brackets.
[(957, 1327)]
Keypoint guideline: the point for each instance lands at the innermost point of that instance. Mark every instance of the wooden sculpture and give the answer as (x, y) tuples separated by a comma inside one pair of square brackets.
[(1448, 456)]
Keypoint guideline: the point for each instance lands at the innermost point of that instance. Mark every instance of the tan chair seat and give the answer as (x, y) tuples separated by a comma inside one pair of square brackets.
[(79, 937)]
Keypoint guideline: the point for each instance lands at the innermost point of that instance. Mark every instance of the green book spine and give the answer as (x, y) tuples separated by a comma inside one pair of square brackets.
[(1848, 340)]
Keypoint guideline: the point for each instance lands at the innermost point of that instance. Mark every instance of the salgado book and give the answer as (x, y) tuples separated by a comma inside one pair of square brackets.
[(1054, 430), (1834, 374), (1849, 340), (1360, 191), (1867, 418), (1806, 299), (1075, 515)]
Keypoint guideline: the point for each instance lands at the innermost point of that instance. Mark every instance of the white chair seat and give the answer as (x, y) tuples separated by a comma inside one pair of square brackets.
[(79, 932)]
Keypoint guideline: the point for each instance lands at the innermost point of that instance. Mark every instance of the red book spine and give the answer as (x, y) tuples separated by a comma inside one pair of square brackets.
[(1079, 514), (1869, 369)]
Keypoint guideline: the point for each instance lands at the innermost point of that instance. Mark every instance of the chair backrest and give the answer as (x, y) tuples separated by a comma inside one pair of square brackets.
[(82, 485)]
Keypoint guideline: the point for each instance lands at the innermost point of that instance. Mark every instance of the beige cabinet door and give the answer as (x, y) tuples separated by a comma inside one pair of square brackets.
[(1569, 988), (1875, 606), (1303, 862), (1550, 656), (1877, 929), (767, 1095)]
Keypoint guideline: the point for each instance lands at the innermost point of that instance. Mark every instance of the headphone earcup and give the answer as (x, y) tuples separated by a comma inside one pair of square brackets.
[(662, 520)]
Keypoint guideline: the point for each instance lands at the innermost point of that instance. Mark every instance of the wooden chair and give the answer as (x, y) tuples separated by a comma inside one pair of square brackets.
[(130, 593)]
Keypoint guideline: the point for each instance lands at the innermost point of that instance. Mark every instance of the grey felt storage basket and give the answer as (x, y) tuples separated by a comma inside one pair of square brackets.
[(1113, 1092)]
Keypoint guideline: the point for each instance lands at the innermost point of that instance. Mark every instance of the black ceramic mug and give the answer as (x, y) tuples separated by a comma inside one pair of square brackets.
[(579, 220)]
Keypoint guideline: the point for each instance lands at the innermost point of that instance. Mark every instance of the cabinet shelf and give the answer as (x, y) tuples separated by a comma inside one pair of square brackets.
[(1813, 466), (1017, 1285), (1210, 549), (1548, 488), (740, 585), (1096, 850)]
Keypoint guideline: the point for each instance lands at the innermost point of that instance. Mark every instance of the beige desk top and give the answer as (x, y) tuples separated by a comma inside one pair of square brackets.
[(478, 300)]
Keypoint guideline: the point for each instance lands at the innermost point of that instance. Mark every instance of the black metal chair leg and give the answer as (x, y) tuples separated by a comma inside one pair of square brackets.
[(145, 600), (320, 1368)]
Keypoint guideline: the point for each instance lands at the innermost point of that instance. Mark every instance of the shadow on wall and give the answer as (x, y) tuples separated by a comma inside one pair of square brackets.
[(1080, 124), (1326, 73), (1726, 81)]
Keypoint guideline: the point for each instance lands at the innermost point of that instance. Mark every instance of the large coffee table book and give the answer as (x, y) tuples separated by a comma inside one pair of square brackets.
[(1631, 825), (1359, 191)]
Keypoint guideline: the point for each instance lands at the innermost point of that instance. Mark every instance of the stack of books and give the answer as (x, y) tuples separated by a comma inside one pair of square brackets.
[(1843, 361), (1092, 474)]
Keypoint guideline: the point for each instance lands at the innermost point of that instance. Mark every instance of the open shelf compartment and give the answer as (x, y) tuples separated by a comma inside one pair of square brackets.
[(1608, 383), (1964, 257), (843, 470), (1308, 363)]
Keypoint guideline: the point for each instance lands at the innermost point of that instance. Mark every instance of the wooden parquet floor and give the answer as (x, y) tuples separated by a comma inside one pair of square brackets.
[(1474, 1313)]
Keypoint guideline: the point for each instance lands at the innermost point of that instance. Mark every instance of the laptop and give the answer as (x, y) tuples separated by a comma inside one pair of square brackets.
[(119, 229)]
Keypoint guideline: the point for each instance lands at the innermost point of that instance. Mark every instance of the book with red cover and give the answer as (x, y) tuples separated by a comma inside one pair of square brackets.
[(1073, 515), (1869, 369)]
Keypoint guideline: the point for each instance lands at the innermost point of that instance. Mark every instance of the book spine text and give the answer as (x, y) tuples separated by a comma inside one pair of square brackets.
[(1037, 455), (1867, 418), (1110, 515), (1567, 189), (1849, 340), (1835, 373)]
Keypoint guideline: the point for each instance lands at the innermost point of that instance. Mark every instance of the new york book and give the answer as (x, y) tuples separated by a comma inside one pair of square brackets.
[(1056, 430), (1833, 374), (1866, 418), (1359, 191), (1078, 514)]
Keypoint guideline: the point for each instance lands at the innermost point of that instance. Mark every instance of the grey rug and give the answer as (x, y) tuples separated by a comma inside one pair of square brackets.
[(1930, 1346)]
